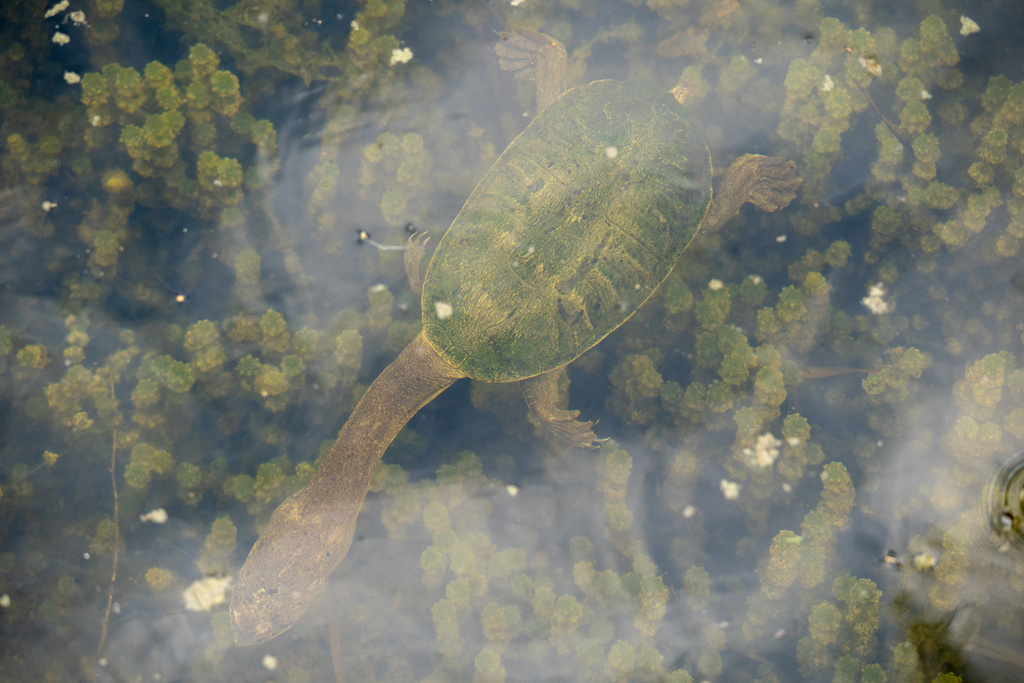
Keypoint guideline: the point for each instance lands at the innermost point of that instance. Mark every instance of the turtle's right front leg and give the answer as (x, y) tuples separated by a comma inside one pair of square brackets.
[(541, 394)]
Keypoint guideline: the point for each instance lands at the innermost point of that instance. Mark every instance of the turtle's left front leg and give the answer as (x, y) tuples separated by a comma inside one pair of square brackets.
[(541, 394), (415, 269)]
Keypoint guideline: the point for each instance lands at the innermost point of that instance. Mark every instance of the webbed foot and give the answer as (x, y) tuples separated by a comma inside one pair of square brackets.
[(415, 248), (543, 398), (769, 183), (563, 427), (534, 57)]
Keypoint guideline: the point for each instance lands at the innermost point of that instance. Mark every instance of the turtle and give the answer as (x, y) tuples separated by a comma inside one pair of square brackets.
[(569, 232)]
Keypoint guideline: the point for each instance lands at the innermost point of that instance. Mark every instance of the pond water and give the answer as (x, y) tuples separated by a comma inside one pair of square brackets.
[(814, 427)]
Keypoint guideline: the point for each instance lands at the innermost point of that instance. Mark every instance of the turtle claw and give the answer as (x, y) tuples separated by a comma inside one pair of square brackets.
[(563, 427)]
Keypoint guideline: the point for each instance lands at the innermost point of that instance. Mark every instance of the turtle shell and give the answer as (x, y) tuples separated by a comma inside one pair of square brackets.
[(575, 225)]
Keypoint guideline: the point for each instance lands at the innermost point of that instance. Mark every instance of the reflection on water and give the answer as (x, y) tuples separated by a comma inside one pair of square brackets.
[(183, 294)]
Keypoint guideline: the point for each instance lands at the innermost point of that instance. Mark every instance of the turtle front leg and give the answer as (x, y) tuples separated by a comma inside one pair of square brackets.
[(769, 183), (541, 394), (415, 248)]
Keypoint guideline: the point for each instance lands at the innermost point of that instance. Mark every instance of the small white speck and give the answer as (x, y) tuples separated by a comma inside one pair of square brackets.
[(925, 95), (77, 18), (269, 662), (5, 600), (793, 441), (780, 634), (759, 61), (968, 26), (780, 239), (443, 309), (217, 182), (156, 516), (512, 490), (689, 511), (730, 489), (636, 287), (875, 300), (95, 121), (354, 25), (787, 488), (61, 38), (827, 84), (517, 3), (400, 55), (56, 9), (102, 661), (715, 285), (611, 152), (71, 78), (48, 206), (756, 279), (263, 18), (531, 249), (379, 287), (86, 556)]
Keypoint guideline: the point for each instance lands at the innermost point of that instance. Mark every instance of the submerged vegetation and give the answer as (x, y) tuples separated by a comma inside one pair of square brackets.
[(183, 299)]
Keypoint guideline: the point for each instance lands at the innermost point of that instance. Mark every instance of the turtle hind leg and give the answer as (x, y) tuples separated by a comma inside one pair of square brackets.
[(769, 183), (541, 394), (534, 57)]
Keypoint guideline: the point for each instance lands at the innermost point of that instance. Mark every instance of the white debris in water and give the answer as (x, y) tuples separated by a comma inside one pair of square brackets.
[(77, 18), (400, 55), (756, 279), (871, 65), (71, 78), (715, 285), (968, 26), (443, 309), (61, 38), (611, 152), (512, 490), (764, 453), (56, 9), (5, 600), (875, 300), (780, 239), (157, 516), (517, 3), (730, 489), (689, 511), (269, 662), (925, 95), (49, 206), (827, 84), (206, 593)]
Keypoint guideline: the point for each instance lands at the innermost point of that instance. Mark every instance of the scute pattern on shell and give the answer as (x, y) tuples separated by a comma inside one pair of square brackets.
[(570, 231)]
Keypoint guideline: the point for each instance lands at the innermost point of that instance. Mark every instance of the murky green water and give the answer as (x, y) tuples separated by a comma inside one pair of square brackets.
[(806, 423)]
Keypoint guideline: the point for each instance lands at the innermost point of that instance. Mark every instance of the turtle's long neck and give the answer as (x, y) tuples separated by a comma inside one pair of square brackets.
[(310, 532), (412, 381)]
